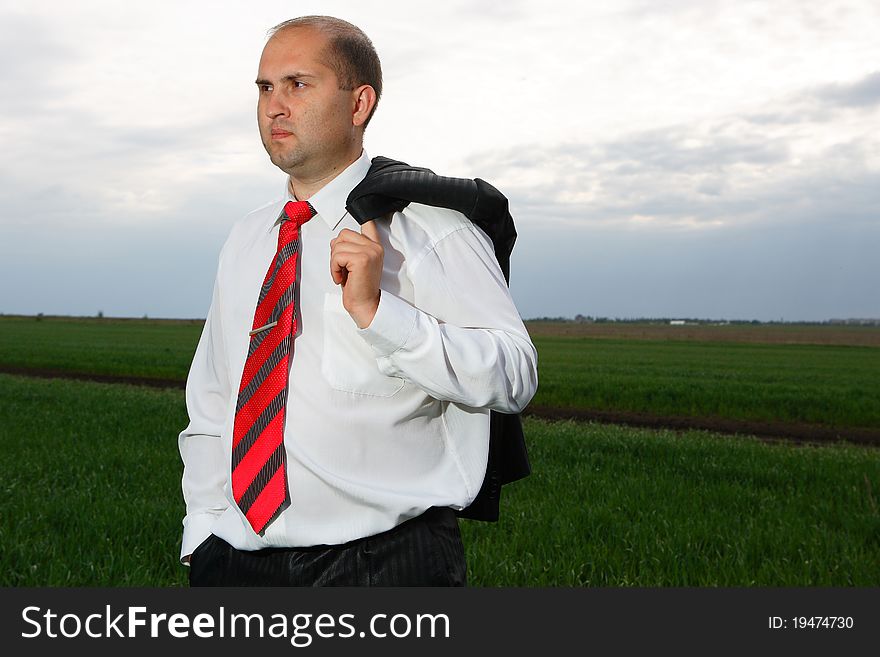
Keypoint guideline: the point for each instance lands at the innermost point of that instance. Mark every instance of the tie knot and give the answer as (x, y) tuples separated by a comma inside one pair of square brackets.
[(299, 212)]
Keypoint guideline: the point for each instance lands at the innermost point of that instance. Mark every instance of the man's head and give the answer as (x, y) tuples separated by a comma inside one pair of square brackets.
[(319, 81)]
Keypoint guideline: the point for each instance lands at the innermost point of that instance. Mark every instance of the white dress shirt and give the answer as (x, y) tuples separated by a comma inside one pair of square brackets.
[(382, 422)]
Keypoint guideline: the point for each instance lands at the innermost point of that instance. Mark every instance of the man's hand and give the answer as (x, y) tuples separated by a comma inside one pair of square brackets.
[(356, 264)]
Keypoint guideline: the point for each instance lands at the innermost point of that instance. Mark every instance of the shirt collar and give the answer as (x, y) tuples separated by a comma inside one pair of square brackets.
[(329, 201)]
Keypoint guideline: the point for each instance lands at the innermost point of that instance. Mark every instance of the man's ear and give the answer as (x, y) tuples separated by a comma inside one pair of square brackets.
[(364, 102)]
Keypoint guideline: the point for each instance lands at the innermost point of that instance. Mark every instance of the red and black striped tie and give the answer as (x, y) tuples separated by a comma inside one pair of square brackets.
[(259, 474)]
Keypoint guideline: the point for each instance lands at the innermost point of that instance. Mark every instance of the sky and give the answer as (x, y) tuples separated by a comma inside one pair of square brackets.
[(713, 159)]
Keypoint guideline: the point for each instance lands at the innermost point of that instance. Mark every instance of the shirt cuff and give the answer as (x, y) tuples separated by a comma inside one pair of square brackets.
[(195, 531), (392, 324)]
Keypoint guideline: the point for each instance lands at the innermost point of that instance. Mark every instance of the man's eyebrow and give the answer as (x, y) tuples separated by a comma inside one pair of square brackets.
[(290, 77)]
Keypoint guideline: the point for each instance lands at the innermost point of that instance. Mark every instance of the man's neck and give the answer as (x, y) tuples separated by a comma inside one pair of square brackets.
[(303, 188)]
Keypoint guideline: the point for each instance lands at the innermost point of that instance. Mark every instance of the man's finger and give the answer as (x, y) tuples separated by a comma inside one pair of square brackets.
[(346, 235), (338, 270), (369, 230)]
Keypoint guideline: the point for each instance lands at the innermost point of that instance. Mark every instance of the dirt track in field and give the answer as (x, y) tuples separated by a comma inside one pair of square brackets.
[(771, 431), (99, 378)]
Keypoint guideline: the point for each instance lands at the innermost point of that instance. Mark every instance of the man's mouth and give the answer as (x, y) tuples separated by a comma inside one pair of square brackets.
[(280, 134)]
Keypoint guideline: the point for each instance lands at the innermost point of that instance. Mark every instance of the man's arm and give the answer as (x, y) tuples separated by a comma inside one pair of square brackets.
[(463, 340), (207, 402)]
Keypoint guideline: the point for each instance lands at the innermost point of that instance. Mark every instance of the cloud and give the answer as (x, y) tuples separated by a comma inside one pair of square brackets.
[(35, 59), (861, 93), (820, 104), (780, 166), (655, 139)]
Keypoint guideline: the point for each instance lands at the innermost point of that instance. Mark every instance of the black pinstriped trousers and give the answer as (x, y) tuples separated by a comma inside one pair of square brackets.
[(423, 551)]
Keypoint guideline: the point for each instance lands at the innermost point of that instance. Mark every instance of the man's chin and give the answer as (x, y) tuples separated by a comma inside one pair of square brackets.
[(284, 161)]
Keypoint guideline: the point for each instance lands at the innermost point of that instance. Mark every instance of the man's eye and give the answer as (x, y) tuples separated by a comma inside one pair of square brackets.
[(299, 85), (264, 88)]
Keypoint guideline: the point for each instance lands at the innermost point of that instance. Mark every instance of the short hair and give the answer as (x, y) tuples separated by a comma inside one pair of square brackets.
[(349, 53)]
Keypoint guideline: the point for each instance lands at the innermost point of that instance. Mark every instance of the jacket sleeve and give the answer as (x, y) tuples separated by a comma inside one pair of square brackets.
[(462, 340), (204, 460)]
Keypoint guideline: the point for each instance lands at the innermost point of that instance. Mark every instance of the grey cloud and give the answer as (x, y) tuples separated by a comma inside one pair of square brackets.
[(797, 113), (862, 93), (820, 104), (683, 151), (34, 60), (684, 177), (797, 240), (90, 161)]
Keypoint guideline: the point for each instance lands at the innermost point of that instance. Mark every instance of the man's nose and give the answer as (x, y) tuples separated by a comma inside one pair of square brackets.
[(275, 105)]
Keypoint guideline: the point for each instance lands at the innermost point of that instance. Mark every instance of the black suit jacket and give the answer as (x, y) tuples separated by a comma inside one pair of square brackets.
[(390, 186)]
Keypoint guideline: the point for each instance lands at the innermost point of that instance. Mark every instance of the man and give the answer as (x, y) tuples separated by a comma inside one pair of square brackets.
[(340, 457)]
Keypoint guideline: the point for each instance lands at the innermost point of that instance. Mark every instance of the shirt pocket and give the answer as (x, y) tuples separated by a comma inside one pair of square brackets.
[(348, 363)]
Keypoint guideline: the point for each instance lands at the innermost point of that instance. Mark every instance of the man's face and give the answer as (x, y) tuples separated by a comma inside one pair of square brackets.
[(305, 119)]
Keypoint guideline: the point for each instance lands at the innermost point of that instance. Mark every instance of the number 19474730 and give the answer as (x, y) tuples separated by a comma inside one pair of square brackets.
[(810, 622)]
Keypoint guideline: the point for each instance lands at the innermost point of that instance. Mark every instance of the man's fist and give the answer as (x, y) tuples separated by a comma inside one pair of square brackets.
[(356, 264)]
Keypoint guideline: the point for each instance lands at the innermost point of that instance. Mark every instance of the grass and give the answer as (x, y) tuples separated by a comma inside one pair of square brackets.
[(144, 348), (91, 477), (830, 385), (614, 506), (820, 384), (91, 484)]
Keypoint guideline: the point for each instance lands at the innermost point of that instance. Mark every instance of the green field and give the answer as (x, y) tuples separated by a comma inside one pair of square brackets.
[(823, 384), (91, 476), (147, 348), (829, 385)]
